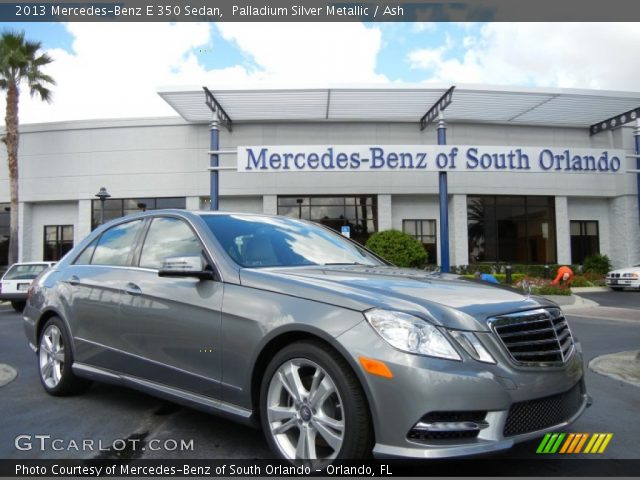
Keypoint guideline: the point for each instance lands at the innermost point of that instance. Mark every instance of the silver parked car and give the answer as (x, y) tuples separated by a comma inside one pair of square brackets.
[(286, 324)]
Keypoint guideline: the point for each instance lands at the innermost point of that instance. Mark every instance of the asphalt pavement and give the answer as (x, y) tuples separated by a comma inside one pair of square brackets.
[(106, 414)]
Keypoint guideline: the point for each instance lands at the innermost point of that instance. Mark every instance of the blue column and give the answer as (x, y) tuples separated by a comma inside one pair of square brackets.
[(214, 190), (444, 205), (637, 138)]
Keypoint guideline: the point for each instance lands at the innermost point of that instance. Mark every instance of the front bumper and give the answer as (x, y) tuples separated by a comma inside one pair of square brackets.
[(622, 282), (13, 297), (423, 385)]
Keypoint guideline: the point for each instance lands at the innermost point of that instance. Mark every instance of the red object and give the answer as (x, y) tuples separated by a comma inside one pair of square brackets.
[(561, 273)]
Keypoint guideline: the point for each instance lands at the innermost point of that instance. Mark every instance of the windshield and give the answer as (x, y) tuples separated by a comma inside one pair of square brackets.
[(25, 272), (255, 241)]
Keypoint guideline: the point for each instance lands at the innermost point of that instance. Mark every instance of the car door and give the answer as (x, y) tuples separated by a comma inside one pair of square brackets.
[(92, 289), (171, 326)]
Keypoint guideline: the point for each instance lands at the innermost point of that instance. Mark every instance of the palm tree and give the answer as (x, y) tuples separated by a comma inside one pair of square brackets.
[(20, 63)]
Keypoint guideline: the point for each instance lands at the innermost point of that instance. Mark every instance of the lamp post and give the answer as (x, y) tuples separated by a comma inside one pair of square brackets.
[(299, 202), (102, 195)]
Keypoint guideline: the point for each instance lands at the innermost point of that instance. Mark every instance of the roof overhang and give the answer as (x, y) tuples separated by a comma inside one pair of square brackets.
[(405, 103)]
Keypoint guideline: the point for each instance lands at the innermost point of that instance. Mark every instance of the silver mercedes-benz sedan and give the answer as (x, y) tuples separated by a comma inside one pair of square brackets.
[(288, 325)]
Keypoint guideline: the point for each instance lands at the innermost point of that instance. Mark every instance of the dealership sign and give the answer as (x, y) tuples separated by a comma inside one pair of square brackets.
[(428, 158)]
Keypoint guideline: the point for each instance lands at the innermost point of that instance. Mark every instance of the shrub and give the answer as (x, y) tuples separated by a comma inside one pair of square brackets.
[(581, 281), (399, 248), (551, 290), (597, 264), (501, 277), (541, 286)]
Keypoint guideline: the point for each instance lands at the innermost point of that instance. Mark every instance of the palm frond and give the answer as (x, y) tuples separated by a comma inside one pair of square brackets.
[(38, 89), (20, 61)]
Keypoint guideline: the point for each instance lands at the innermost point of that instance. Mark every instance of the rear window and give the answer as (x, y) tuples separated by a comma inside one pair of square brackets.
[(25, 272)]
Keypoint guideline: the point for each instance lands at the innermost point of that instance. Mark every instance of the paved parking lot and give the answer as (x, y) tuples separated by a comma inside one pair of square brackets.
[(106, 413)]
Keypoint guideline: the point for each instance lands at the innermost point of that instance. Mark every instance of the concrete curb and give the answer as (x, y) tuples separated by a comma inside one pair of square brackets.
[(7, 374), (590, 289), (623, 366), (571, 302)]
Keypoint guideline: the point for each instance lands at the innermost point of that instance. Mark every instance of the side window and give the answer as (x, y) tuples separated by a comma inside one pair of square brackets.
[(85, 257), (168, 237), (115, 244)]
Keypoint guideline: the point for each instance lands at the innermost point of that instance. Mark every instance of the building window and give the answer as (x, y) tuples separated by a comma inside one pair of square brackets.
[(511, 229), (119, 207), (58, 240), (4, 233), (425, 232), (585, 239), (359, 212)]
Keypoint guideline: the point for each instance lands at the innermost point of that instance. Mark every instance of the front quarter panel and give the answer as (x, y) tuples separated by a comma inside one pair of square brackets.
[(251, 318)]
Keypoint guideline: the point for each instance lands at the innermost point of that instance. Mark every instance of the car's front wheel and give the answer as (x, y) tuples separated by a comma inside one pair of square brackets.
[(55, 359), (313, 407)]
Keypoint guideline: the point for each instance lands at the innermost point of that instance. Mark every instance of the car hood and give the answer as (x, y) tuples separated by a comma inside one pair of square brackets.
[(446, 299), (626, 270)]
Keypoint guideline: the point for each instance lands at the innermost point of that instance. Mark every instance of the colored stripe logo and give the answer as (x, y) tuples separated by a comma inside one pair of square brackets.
[(574, 443)]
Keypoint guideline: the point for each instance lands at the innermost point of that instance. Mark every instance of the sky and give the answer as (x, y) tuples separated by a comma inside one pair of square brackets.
[(113, 70)]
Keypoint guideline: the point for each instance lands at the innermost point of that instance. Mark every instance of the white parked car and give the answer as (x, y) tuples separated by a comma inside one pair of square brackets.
[(623, 278), (15, 283)]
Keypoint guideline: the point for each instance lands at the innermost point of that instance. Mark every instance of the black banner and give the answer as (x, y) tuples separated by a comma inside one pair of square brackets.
[(323, 11), (275, 468)]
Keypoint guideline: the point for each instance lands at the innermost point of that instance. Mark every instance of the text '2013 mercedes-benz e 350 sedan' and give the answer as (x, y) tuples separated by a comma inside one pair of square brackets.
[(286, 324)]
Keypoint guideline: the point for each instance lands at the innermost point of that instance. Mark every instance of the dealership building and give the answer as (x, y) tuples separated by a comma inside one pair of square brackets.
[(523, 175)]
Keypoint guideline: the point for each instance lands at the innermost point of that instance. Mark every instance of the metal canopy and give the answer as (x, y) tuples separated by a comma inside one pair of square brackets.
[(484, 104)]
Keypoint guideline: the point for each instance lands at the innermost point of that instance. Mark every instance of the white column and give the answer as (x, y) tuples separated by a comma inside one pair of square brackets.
[(625, 231), (384, 213), (83, 224), (270, 204), (192, 203), (458, 230), (24, 232), (563, 233)]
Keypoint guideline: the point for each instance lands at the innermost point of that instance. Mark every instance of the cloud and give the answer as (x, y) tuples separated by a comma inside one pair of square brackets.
[(113, 69), (309, 53), (570, 55)]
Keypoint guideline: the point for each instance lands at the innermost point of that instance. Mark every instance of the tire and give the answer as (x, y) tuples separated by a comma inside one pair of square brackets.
[(337, 423), (55, 359), (18, 305), (617, 289)]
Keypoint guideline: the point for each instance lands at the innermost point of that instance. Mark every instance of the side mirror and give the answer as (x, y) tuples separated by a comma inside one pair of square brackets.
[(188, 266)]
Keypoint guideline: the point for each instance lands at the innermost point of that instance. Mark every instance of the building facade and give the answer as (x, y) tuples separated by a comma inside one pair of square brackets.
[(510, 216)]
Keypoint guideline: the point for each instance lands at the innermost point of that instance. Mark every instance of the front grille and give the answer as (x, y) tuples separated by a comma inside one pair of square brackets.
[(535, 337), (534, 415)]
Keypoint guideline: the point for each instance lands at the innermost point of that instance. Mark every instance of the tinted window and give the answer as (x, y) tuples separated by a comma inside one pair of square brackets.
[(115, 244), (25, 272), (168, 237), (254, 241)]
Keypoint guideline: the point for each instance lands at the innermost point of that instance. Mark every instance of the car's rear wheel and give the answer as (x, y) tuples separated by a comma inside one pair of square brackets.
[(312, 406), (55, 360), (617, 289), (18, 305)]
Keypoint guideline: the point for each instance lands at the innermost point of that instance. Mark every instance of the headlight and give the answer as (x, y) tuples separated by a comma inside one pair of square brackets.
[(411, 334), (471, 344)]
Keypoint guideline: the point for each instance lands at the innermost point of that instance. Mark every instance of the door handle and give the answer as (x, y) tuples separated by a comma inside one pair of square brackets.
[(74, 280), (132, 289)]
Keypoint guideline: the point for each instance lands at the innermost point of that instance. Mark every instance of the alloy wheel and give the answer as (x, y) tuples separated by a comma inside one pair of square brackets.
[(51, 355), (305, 411)]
